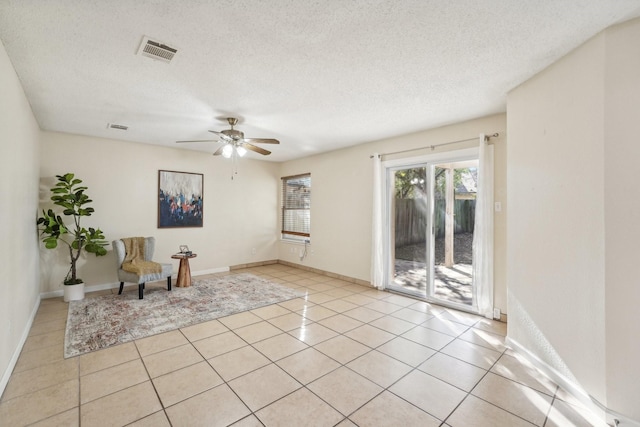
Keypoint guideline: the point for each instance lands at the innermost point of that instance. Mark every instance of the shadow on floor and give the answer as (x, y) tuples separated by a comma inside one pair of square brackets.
[(450, 284)]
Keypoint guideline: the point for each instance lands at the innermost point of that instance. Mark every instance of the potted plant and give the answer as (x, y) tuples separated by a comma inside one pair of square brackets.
[(70, 196)]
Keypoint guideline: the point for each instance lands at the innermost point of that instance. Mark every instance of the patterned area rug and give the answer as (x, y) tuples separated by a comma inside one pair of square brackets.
[(100, 322)]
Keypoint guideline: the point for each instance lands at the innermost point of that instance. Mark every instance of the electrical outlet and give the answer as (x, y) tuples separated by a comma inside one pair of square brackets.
[(253, 251), (498, 206), (496, 313)]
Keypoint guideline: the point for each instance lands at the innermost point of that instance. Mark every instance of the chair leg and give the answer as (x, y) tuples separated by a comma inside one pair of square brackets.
[(141, 291), (169, 283), (121, 287)]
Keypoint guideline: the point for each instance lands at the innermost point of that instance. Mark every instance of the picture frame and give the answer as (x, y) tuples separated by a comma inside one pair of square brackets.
[(180, 199)]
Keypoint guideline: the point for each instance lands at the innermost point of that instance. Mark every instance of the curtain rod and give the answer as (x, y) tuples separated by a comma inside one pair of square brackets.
[(486, 137)]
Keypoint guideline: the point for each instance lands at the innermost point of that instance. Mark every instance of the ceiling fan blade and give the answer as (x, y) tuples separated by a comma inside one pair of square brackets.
[(198, 140), (222, 136), (262, 140), (219, 150), (256, 149)]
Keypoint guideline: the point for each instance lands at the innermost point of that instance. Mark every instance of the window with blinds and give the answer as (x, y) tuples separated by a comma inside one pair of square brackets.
[(296, 207)]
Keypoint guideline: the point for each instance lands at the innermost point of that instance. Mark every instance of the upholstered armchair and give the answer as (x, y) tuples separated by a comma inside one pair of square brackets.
[(129, 277)]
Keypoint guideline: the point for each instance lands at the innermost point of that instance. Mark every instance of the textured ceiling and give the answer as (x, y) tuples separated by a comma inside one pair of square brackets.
[(317, 75)]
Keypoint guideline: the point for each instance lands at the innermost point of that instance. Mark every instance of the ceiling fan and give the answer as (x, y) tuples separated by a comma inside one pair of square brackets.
[(234, 141)]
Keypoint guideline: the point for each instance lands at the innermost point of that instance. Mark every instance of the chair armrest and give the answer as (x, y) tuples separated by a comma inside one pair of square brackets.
[(118, 249)]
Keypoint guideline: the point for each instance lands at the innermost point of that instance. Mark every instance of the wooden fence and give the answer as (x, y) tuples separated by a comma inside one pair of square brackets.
[(411, 219)]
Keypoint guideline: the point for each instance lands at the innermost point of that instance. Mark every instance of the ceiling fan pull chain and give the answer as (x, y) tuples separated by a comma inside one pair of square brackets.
[(234, 164)]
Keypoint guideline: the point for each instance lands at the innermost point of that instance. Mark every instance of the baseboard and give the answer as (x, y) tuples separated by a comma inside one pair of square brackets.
[(105, 286), (51, 294), (16, 354), (366, 283), (622, 420), (116, 285), (93, 288), (326, 273), (210, 271), (302, 267), (607, 416), (253, 264)]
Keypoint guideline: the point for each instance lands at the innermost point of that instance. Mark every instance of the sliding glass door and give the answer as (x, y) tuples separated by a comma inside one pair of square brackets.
[(430, 208)]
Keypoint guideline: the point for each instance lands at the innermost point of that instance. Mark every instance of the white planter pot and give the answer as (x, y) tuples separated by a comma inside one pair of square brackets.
[(73, 292)]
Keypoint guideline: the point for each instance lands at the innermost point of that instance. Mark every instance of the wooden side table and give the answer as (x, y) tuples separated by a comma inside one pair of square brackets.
[(184, 271)]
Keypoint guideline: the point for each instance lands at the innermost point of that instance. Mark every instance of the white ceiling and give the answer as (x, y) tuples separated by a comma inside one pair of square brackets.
[(317, 75)]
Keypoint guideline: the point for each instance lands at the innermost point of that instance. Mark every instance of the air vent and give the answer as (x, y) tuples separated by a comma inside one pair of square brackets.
[(156, 50), (115, 126)]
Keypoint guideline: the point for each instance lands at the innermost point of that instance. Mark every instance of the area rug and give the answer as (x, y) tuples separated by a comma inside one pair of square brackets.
[(104, 321)]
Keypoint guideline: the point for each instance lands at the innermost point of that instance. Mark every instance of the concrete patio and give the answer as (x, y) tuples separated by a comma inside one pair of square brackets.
[(451, 284)]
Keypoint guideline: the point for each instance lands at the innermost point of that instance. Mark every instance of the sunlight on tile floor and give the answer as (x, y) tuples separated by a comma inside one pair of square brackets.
[(344, 355)]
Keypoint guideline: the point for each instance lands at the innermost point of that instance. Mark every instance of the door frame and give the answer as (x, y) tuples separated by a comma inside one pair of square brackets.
[(429, 160)]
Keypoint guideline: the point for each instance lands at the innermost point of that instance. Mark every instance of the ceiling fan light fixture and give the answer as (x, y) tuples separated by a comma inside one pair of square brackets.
[(227, 151), (234, 144)]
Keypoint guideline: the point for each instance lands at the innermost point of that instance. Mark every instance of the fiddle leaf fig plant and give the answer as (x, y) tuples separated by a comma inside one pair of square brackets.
[(71, 197)]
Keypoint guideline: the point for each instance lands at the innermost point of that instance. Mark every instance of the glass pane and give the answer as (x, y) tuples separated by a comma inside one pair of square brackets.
[(454, 194), (296, 205), (409, 234), (296, 220)]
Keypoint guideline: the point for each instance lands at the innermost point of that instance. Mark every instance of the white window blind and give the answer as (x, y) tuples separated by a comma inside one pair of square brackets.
[(296, 206)]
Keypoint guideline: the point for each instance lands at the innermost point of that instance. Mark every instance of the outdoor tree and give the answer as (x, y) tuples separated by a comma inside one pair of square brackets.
[(411, 183)]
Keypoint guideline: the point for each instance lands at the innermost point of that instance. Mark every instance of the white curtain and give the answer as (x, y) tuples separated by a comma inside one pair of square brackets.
[(483, 231), (377, 251)]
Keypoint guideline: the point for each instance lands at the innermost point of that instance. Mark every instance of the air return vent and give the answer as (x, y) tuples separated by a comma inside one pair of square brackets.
[(156, 50)]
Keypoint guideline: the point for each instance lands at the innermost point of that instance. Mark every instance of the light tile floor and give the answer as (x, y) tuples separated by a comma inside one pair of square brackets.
[(344, 355)]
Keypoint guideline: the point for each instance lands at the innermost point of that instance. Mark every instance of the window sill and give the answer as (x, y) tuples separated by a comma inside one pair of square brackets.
[(293, 242)]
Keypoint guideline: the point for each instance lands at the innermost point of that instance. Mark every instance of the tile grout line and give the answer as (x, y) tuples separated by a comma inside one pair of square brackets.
[(310, 292), (225, 382), (79, 378), (370, 350), (345, 365), (468, 393), (508, 379), (553, 399), (304, 385), (416, 368)]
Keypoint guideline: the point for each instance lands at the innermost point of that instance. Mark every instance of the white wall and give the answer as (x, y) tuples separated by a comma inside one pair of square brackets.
[(239, 214), (19, 291), (573, 231), (555, 266), (341, 199), (622, 210)]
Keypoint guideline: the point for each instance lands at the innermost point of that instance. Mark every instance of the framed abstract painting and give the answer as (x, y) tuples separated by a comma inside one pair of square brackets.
[(180, 199)]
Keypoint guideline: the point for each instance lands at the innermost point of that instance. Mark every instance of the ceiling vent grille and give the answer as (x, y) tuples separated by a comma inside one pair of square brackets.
[(116, 126), (156, 50)]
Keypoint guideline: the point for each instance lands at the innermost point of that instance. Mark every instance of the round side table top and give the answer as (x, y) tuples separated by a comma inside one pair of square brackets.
[(181, 256)]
